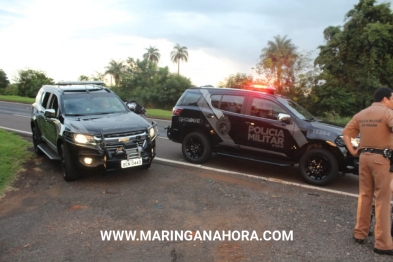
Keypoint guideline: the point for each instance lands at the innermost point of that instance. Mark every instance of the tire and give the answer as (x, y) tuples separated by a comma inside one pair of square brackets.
[(196, 148), (36, 141), (318, 167), (69, 172)]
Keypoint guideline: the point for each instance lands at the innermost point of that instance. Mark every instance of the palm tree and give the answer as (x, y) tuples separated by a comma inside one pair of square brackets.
[(115, 69), (152, 54), (179, 53), (279, 57)]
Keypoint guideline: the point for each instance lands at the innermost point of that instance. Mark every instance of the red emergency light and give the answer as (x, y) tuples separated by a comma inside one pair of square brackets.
[(262, 88)]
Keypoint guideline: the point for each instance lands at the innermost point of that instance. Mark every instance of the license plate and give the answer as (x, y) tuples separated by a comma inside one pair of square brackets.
[(131, 162)]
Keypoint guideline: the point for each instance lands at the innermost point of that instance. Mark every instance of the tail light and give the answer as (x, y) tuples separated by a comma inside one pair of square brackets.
[(176, 111)]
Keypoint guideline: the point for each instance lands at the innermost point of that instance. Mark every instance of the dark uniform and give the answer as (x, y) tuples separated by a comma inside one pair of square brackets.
[(375, 125)]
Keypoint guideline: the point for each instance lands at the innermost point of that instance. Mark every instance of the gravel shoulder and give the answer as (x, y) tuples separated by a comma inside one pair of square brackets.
[(48, 219)]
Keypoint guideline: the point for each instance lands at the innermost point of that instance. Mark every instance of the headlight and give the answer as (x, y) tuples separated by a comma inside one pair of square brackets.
[(84, 139), (151, 132)]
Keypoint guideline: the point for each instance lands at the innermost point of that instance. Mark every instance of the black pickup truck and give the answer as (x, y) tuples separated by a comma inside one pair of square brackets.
[(88, 127)]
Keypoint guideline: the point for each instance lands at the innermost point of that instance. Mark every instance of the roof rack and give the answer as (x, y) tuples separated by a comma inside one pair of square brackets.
[(66, 83)]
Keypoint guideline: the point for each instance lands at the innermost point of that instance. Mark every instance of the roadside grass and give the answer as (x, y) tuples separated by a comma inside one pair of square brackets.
[(159, 113), (18, 99), (13, 152)]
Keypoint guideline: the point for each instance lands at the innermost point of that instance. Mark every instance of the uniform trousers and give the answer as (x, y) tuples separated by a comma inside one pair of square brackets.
[(374, 176)]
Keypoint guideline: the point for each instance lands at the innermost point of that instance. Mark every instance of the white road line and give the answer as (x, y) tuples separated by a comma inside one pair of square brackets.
[(15, 130), (22, 115), (257, 177), (232, 172)]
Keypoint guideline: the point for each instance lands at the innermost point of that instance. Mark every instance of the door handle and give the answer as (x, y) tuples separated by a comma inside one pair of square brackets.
[(250, 123), (209, 115)]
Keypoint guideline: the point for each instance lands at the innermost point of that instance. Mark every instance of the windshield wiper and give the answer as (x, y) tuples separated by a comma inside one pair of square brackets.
[(312, 119), (104, 113), (74, 114)]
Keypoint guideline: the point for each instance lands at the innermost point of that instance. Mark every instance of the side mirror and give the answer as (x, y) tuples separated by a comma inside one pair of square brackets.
[(131, 106), (50, 113), (285, 118), (136, 108)]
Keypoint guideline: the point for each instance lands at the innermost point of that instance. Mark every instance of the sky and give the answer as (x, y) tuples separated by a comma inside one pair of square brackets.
[(67, 39)]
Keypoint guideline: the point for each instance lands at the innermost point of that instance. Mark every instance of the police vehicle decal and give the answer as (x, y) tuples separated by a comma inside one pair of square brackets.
[(325, 131), (223, 125), (189, 120), (298, 136), (273, 136), (220, 123)]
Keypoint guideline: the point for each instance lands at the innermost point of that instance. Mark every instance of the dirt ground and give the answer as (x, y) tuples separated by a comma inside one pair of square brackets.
[(48, 219)]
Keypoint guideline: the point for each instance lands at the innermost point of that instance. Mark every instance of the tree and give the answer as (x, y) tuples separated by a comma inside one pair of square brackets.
[(179, 53), (153, 86), (115, 69), (278, 62), (239, 81), (4, 82), (83, 78), (358, 57), (98, 76), (152, 54), (30, 81)]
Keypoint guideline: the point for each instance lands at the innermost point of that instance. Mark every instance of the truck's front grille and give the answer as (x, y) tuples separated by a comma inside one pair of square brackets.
[(124, 144)]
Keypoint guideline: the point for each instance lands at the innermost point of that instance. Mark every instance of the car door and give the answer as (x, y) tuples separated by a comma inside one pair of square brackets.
[(52, 124), (40, 107), (264, 133)]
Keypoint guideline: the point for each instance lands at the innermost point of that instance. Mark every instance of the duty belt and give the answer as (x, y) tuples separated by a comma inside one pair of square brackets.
[(387, 153)]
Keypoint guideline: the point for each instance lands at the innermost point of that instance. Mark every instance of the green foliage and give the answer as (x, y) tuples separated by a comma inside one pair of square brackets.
[(150, 85), (83, 78), (10, 90), (164, 94), (332, 100), (357, 58), (13, 152), (4, 82), (239, 81), (278, 62), (332, 117), (30, 81)]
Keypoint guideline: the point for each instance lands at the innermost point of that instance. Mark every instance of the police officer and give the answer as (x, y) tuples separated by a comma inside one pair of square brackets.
[(375, 125)]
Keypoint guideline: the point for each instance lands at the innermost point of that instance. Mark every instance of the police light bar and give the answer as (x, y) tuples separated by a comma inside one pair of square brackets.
[(262, 88), (66, 83)]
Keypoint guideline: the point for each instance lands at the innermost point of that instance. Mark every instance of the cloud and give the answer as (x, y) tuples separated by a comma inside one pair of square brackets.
[(67, 39)]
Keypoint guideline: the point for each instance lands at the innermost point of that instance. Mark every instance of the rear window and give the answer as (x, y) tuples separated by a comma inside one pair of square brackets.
[(189, 99), (231, 103)]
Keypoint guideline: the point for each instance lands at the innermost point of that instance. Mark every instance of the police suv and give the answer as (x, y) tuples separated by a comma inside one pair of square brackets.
[(88, 127), (259, 126)]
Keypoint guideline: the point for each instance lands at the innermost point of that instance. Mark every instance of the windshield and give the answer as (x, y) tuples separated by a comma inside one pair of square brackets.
[(297, 110), (92, 104)]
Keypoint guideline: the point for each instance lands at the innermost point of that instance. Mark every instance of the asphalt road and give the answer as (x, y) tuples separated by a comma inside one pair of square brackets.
[(16, 117)]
